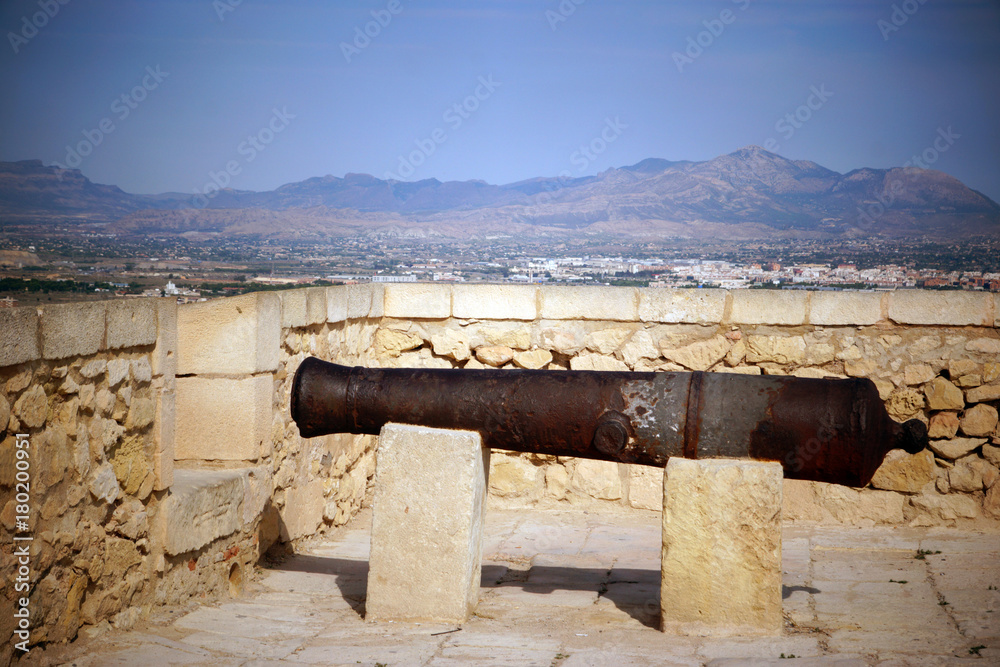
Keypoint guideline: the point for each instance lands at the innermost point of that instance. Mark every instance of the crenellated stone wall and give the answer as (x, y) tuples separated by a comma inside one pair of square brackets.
[(163, 461)]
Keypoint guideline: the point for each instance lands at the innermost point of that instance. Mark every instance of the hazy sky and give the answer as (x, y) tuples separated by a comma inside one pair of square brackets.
[(158, 96)]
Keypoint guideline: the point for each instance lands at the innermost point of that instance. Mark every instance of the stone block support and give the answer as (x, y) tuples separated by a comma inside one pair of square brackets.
[(721, 563), (427, 524)]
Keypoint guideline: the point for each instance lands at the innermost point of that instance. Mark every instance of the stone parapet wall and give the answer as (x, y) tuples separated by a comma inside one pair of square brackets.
[(934, 356), (85, 386)]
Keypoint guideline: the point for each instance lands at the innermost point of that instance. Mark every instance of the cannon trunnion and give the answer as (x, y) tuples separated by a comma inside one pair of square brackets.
[(818, 429)]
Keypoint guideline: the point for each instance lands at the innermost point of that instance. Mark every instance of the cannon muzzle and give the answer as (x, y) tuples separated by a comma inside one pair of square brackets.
[(818, 429)]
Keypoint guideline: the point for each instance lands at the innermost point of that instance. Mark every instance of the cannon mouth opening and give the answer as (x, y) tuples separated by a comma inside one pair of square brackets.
[(912, 436), (318, 399)]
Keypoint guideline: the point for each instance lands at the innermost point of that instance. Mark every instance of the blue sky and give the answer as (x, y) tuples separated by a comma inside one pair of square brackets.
[(269, 91)]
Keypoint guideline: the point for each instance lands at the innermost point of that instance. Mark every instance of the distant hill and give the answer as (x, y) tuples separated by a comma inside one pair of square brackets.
[(750, 193)]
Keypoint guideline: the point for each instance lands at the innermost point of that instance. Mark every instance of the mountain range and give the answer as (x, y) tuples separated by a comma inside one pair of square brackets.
[(750, 193)]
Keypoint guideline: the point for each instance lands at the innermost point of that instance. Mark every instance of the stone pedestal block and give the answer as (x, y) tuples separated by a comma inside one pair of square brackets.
[(427, 524), (721, 564)]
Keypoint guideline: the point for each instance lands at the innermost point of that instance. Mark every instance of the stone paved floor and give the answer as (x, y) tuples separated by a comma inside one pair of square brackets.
[(570, 588)]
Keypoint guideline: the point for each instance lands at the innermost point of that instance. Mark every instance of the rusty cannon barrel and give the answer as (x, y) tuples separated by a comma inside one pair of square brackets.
[(818, 429)]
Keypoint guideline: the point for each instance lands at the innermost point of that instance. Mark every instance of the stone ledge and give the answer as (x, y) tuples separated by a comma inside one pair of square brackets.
[(417, 301), (589, 302), (364, 301), (765, 306), (335, 303), (19, 342), (164, 357), (131, 323), (845, 308), (681, 306), (495, 302), (73, 329), (222, 419), (240, 334), (204, 505), (951, 308)]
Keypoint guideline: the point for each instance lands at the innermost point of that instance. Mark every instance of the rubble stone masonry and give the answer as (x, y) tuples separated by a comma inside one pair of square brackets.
[(163, 459)]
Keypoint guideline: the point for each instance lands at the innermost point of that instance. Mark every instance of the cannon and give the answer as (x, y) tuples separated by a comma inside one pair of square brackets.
[(827, 430)]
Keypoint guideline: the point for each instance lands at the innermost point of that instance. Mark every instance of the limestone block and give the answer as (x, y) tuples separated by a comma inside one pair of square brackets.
[(164, 439), (597, 479), (558, 340), (427, 524), (73, 329), (533, 359), (979, 420), (943, 395), (960, 367), (845, 308), (293, 308), (984, 345), (810, 372), (606, 341), (495, 302), (512, 476), (364, 301), (131, 323), (988, 392), (589, 303), (240, 334), (596, 362), (222, 419), (451, 343), (326, 304), (943, 308), (763, 306), (969, 381), (302, 512), (996, 310), (917, 374), (164, 358), (965, 479), (639, 346), (946, 508), (778, 349), (202, 506), (699, 356), (645, 487), (517, 337), (904, 404), (992, 454), (417, 301), (901, 471), (851, 506), (955, 448), (4, 414), (32, 407), (257, 487), (390, 342), (676, 306), (721, 561), (943, 425), (494, 355), (19, 342)]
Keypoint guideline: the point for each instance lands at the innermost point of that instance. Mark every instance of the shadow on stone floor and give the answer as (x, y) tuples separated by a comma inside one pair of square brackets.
[(635, 592), (786, 591)]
